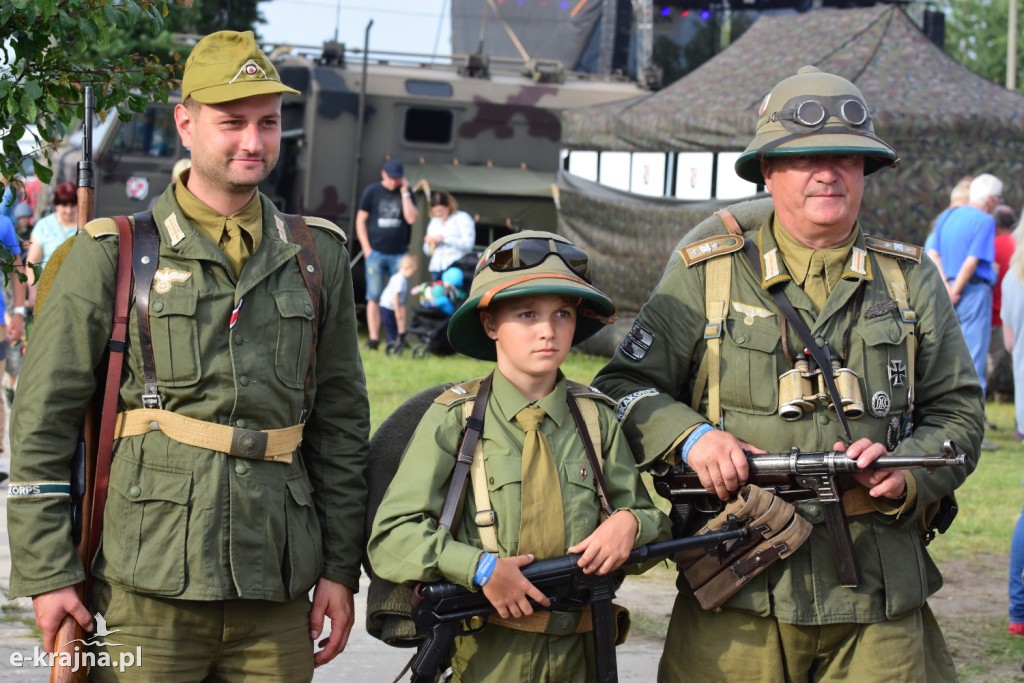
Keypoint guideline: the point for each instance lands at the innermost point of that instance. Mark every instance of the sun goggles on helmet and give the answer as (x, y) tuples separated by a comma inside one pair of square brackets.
[(528, 252), (812, 112)]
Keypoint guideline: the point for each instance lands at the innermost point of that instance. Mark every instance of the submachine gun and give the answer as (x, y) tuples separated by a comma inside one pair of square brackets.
[(797, 475), (447, 610)]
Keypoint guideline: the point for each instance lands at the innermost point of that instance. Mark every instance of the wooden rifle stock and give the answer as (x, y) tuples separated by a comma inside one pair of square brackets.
[(70, 634)]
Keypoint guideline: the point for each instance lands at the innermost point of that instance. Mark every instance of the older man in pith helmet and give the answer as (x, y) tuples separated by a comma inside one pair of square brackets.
[(782, 323), (236, 485)]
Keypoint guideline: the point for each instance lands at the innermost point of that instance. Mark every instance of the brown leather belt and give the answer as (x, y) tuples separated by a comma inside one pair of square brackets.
[(252, 444)]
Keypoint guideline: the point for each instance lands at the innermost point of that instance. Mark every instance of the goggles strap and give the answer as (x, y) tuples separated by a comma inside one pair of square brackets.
[(485, 300)]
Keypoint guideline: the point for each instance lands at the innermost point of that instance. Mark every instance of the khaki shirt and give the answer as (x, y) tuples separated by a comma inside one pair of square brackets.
[(181, 521), (654, 382)]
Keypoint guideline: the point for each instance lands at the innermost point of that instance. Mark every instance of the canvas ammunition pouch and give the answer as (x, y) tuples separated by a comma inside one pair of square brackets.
[(776, 531)]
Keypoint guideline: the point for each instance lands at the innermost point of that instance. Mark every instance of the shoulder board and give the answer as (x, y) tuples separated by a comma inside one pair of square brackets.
[(711, 247), (584, 391), (910, 252), (101, 227), (326, 225), (464, 391)]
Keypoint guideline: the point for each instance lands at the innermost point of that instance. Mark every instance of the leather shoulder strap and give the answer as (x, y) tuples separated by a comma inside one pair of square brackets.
[(451, 511), (586, 436), (111, 390), (145, 259)]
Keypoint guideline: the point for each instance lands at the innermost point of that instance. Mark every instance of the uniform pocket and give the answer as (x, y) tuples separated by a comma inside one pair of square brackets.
[(304, 560), (172, 321), (886, 369), (294, 336), (146, 519), (750, 376), (505, 488), (583, 508)]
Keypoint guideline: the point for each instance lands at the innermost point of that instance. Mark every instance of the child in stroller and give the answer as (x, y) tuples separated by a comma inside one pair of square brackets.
[(428, 328)]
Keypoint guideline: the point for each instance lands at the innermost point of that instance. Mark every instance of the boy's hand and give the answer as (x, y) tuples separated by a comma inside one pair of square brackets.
[(609, 546), (509, 591)]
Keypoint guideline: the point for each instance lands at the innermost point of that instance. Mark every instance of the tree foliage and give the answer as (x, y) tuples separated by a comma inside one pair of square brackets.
[(976, 36)]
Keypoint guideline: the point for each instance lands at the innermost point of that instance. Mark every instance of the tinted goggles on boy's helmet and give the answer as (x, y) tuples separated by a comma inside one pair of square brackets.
[(528, 252), (805, 112)]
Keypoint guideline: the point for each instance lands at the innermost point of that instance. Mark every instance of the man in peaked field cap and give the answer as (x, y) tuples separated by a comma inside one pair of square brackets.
[(237, 478), (715, 370)]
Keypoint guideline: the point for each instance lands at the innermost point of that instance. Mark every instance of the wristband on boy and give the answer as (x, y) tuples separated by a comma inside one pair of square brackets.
[(484, 569), (691, 441)]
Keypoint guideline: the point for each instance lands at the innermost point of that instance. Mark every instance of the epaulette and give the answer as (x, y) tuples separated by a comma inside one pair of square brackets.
[(459, 393), (585, 391), (324, 224), (101, 227), (910, 252), (711, 247)]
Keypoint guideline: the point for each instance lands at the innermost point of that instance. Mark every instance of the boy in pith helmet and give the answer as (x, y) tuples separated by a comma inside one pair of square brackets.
[(540, 495)]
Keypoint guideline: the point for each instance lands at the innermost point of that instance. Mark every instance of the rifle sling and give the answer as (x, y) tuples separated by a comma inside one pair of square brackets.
[(451, 512), (111, 390), (147, 241), (835, 519), (588, 446)]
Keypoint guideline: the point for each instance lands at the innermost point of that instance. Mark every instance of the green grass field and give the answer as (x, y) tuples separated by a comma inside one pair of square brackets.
[(975, 549)]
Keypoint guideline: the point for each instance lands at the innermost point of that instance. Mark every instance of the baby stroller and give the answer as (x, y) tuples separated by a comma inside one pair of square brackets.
[(427, 332)]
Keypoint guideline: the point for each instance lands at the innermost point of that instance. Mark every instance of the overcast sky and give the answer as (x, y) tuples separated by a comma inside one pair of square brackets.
[(420, 26)]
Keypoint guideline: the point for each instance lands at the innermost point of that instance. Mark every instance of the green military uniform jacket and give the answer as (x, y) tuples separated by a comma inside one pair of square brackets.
[(181, 521), (653, 375), (406, 543)]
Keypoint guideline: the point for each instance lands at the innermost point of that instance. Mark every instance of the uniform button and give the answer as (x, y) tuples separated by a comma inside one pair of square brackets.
[(490, 480), (241, 468), (741, 339), (135, 492), (823, 419), (241, 423), (238, 339), (820, 341), (894, 335), (243, 380), (158, 306), (309, 309)]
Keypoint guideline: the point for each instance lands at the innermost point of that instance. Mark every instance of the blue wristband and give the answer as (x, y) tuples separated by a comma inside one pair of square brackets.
[(691, 441), (484, 569)]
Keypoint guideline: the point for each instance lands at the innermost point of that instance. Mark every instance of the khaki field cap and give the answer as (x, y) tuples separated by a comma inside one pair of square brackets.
[(528, 263), (814, 113), (229, 65)]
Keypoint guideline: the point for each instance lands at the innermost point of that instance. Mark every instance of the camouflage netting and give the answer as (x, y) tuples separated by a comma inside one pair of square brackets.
[(944, 121)]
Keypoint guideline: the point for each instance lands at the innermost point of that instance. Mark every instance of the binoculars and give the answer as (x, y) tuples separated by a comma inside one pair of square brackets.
[(804, 385)]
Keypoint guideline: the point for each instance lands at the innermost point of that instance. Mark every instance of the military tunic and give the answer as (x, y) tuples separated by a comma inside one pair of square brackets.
[(654, 377), (406, 543), (181, 521)]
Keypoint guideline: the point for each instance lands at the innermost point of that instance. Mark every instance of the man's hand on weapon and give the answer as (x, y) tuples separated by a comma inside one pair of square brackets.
[(609, 545), (52, 607), (879, 483), (509, 591), (720, 460)]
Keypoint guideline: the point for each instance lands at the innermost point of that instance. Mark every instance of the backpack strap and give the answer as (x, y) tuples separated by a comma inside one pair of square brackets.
[(486, 520), (718, 283), (451, 511)]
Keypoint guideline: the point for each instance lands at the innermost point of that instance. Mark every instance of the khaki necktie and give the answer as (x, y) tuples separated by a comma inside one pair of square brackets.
[(542, 525), (234, 246)]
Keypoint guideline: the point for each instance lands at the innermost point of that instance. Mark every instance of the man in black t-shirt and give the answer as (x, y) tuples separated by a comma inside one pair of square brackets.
[(383, 224)]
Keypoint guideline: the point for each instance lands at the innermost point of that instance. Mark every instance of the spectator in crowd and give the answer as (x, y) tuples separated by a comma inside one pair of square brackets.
[(451, 234), (1000, 373), (52, 230), (958, 196), (383, 225), (392, 302)]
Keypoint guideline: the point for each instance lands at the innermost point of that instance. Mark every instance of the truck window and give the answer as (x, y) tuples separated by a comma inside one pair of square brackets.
[(427, 125), (151, 133)]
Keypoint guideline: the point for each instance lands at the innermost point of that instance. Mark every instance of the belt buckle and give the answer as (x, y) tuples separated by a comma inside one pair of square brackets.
[(250, 444)]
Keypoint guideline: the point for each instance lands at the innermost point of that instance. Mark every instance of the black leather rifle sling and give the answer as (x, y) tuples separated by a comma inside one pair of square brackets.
[(454, 500)]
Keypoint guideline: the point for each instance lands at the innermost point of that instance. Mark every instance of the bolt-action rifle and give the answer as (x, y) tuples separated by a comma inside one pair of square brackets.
[(90, 467), (447, 609), (797, 475)]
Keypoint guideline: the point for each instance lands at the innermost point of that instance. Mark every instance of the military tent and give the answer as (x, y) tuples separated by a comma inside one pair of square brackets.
[(944, 121)]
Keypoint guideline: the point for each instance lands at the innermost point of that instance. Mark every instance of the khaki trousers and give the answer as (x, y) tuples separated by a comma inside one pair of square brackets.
[(730, 646), (191, 640)]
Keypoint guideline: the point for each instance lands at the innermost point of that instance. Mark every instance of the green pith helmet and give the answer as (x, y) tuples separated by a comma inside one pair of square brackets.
[(528, 263), (814, 113), (227, 66)]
